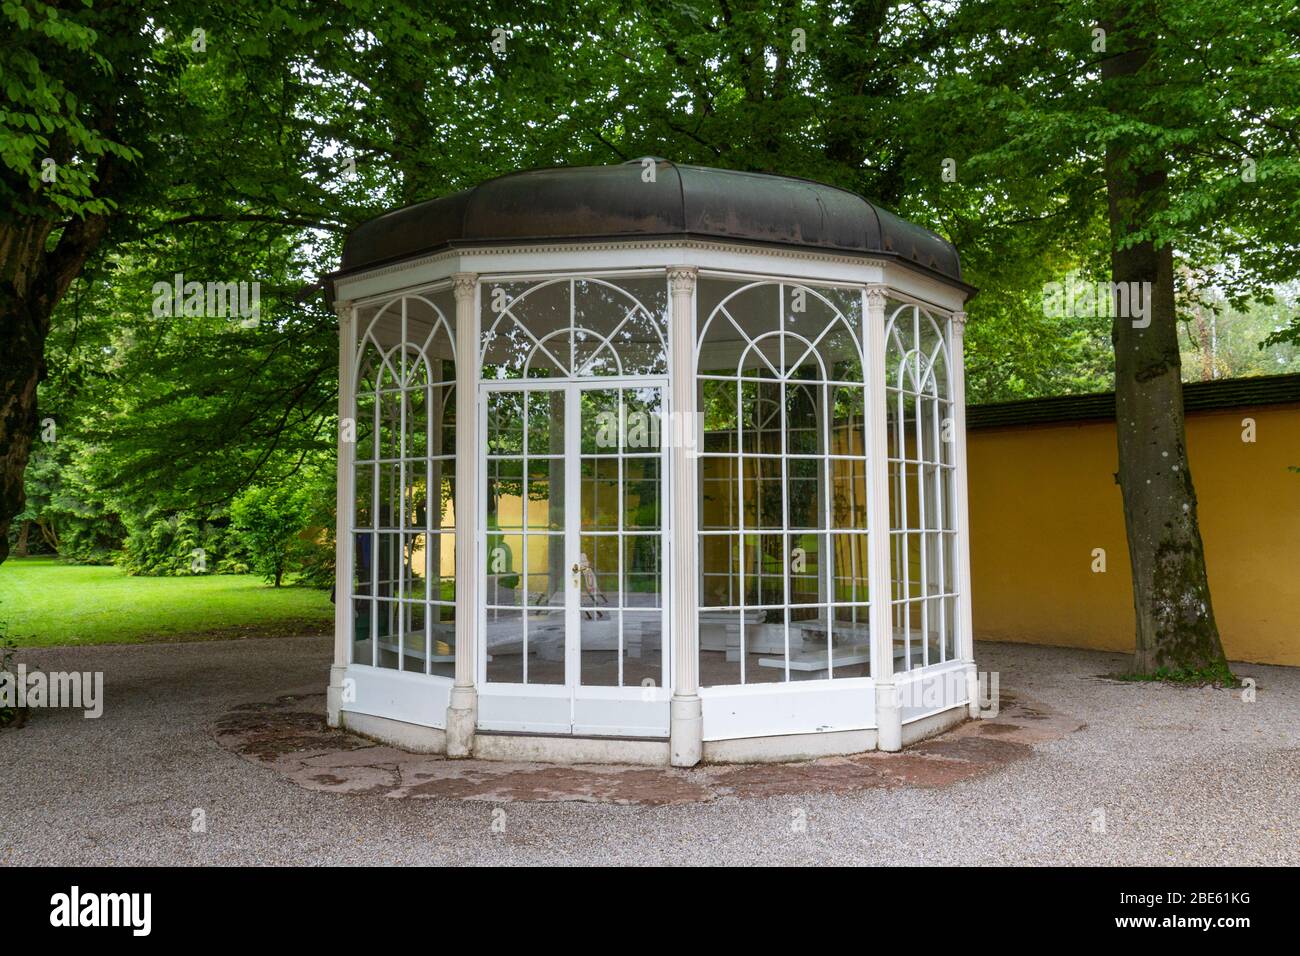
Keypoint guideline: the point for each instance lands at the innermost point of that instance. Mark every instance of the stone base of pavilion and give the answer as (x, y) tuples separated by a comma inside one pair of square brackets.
[(570, 749), (289, 736)]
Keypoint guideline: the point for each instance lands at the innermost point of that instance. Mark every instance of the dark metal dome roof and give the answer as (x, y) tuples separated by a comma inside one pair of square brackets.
[(573, 203)]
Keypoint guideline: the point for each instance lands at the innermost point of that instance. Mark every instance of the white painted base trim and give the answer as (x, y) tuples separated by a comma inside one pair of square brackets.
[(789, 747), (570, 750), (773, 710), (334, 695), (921, 728), (398, 733), (932, 690), (647, 753), (396, 695)]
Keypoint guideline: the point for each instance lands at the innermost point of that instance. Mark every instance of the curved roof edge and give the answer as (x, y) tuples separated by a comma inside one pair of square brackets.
[(585, 203)]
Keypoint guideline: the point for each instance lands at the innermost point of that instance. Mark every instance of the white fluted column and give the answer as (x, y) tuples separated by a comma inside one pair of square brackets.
[(965, 627), (889, 716), (686, 723), (462, 710), (343, 512)]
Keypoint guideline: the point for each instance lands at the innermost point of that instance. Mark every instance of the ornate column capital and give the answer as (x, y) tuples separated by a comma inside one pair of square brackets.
[(681, 279), (959, 323), (343, 309), (876, 295), (462, 284)]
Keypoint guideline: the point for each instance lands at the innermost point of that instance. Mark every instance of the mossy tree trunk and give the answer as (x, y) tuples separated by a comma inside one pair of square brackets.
[(1176, 629)]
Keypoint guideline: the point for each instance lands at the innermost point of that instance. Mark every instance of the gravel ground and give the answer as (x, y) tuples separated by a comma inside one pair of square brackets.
[(1183, 776)]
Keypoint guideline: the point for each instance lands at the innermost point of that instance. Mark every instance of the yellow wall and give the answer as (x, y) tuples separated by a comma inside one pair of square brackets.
[(1043, 497)]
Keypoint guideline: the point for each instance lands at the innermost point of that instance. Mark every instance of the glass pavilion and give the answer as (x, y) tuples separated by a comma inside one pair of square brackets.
[(650, 463)]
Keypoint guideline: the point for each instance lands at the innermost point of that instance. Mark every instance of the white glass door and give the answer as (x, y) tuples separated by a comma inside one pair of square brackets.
[(573, 512)]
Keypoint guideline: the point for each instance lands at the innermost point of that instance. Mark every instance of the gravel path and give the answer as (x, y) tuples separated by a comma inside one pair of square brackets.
[(1183, 776)]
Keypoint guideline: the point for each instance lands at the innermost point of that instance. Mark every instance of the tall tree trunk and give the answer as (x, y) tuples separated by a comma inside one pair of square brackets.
[(22, 360), (1171, 593), (33, 278)]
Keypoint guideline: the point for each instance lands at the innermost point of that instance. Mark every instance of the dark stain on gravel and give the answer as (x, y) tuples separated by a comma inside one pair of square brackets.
[(289, 734)]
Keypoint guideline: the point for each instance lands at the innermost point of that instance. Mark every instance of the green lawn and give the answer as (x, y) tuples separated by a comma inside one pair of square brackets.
[(43, 602)]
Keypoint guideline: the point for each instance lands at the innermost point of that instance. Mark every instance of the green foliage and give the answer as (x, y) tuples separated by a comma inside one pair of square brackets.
[(180, 543), (274, 525), (232, 164), (1217, 675)]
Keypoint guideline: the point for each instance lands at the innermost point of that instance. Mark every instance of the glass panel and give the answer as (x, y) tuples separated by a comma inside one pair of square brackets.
[(642, 496), (442, 627), (720, 570), (504, 644), (763, 491), (600, 421), (810, 655), (415, 494), (600, 494), (933, 623), (642, 574), (546, 494), (848, 425), (388, 576), (642, 420), (719, 493), (807, 578), (416, 561), (851, 638), (365, 423), (764, 569), (362, 645), (545, 422), (643, 641), (546, 572), (505, 493), (765, 647), (408, 347), (517, 316), (414, 637), (598, 566), (504, 585), (849, 493), (915, 634), (363, 497), (545, 656), (950, 628), (390, 424), (599, 628), (806, 503), (388, 636), (444, 482), (801, 434), (505, 423), (362, 566), (444, 420), (417, 422), (849, 562), (718, 410), (442, 567), (720, 643), (803, 417)]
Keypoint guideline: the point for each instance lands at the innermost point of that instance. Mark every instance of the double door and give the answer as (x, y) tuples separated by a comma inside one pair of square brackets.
[(574, 561)]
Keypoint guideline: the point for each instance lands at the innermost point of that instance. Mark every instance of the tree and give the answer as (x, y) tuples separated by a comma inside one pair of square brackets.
[(268, 521), (1184, 118)]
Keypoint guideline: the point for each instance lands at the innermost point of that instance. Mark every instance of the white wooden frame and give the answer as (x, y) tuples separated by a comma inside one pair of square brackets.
[(593, 710), (793, 708)]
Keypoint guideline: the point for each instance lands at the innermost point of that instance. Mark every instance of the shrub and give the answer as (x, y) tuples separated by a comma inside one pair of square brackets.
[(269, 522)]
